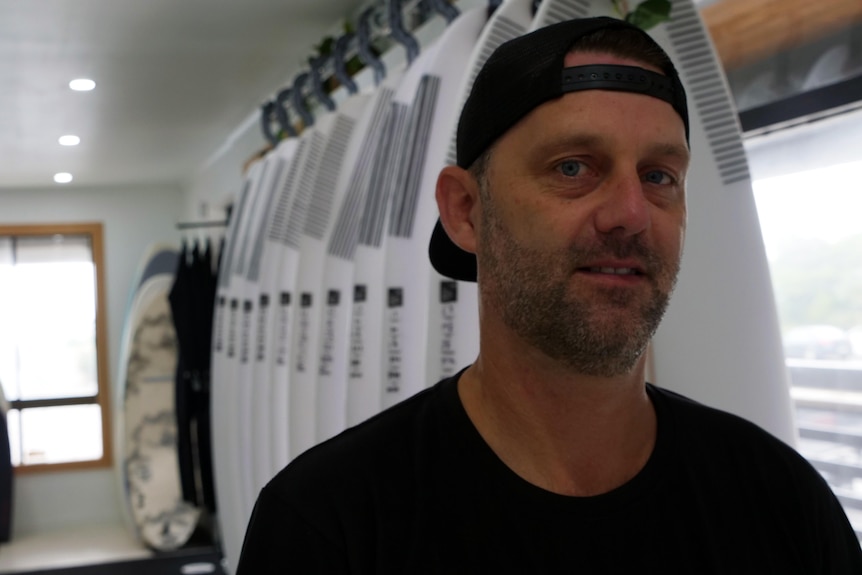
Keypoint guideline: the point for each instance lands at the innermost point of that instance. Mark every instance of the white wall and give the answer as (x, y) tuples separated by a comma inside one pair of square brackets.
[(132, 219)]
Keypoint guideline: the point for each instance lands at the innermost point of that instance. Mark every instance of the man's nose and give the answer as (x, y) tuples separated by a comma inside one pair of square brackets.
[(623, 207)]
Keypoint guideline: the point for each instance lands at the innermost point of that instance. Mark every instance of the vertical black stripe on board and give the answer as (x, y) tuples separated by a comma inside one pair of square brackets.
[(257, 248), (304, 190), (422, 117), (278, 226), (708, 91), (500, 30), (231, 244), (562, 10), (376, 203), (245, 242), (383, 177), (346, 231), (320, 208)]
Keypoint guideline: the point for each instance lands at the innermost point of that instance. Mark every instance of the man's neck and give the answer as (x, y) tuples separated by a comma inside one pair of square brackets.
[(565, 432)]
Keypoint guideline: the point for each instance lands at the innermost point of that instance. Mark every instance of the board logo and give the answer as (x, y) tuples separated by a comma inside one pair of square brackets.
[(448, 292), (333, 297), (305, 300), (285, 298), (360, 293), (396, 297)]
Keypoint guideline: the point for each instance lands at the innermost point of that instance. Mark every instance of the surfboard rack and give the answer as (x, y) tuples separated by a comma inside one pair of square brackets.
[(366, 52), (281, 112), (267, 112), (202, 224), (317, 83), (339, 61), (383, 21)]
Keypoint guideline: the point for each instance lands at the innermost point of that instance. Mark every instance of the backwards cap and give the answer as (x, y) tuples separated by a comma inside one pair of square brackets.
[(524, 73)]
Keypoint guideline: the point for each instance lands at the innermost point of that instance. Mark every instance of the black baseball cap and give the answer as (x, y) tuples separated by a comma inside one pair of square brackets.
[(524, 73)]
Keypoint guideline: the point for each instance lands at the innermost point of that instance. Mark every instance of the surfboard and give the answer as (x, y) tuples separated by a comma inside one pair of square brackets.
[(157, 259), (5, 473), (403, 362), (340, 153), (263, 273), (150, 466), (338, 271), (451, 315), (245, 387), (432, 322), (225, 441), (720, 341), (365, 366)]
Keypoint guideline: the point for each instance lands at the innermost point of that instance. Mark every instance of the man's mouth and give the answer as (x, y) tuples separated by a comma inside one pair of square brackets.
[(614, 271)]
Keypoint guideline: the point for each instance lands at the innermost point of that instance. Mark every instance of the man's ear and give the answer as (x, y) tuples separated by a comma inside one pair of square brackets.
[(457, 201)]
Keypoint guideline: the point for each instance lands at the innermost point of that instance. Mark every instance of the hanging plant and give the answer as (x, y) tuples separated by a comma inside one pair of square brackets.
[(353, 66), (646, 15)]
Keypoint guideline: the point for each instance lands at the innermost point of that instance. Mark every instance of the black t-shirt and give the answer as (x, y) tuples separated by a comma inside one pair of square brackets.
[(416, 490)]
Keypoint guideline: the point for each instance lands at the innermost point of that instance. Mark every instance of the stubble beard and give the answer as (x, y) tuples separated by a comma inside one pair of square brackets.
[(601, 334)]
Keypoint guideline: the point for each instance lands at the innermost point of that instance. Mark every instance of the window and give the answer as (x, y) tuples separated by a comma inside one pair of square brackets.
[(809, 200), (53, 365)]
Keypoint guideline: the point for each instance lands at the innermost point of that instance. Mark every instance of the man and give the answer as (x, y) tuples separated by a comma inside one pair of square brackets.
[(550, 454)]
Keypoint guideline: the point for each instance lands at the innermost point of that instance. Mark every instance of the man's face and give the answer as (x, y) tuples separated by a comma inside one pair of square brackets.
[(581, 224)]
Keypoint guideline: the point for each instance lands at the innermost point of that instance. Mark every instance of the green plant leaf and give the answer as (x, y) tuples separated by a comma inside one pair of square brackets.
[(649, 13)]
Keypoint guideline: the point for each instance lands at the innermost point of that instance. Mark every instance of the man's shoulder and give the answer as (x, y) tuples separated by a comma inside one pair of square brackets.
[(703, 432), (372, 451)]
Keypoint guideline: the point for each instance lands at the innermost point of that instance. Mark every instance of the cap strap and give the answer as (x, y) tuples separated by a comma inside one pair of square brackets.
[(619, 78)]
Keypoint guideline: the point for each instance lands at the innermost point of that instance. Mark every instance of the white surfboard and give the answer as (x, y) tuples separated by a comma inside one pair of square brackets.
[(149, 462), (421, 350), (264, 272), (275, 165), (719, 342), (451, 317), (338, 274), (282, 260), (365, 365), (340, 150), (288, 234), (232, 509), (159, 259), (225, 440)]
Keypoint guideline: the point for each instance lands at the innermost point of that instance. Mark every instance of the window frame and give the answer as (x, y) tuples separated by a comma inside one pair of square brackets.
[(94, 230)]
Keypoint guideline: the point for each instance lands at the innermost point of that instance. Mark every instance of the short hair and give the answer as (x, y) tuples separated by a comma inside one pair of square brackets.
[(625, 43)]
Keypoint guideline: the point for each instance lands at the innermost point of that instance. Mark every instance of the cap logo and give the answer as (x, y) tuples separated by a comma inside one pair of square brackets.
[(619, 78)]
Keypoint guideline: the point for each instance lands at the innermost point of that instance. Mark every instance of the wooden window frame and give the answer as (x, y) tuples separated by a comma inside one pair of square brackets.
[(102, 398)]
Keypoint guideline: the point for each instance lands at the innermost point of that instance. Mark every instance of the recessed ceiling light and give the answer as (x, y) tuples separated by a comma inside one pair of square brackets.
[(69, 140), (82, 85), (63, 178)]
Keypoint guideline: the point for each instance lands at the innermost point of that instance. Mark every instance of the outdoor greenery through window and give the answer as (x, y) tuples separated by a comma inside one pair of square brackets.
[(52, 356), (809, 201)]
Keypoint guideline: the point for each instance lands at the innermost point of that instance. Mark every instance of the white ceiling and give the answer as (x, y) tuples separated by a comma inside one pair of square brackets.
[(174, 79)]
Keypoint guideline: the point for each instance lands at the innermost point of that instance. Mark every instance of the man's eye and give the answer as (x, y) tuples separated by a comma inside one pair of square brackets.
[(570, 168), (658, 177)]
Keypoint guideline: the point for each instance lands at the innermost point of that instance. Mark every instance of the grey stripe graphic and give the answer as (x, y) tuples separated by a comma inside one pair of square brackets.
[(700, 69), (278, 227), (346, 231), (304, 190), (317, 220), (500, 30), (231, 244), (384, 177), (422, 114), (240, 266), (257, 249), (559, 11)]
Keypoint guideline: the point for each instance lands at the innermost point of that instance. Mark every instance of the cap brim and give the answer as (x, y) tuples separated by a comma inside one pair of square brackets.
[(449, 259)]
